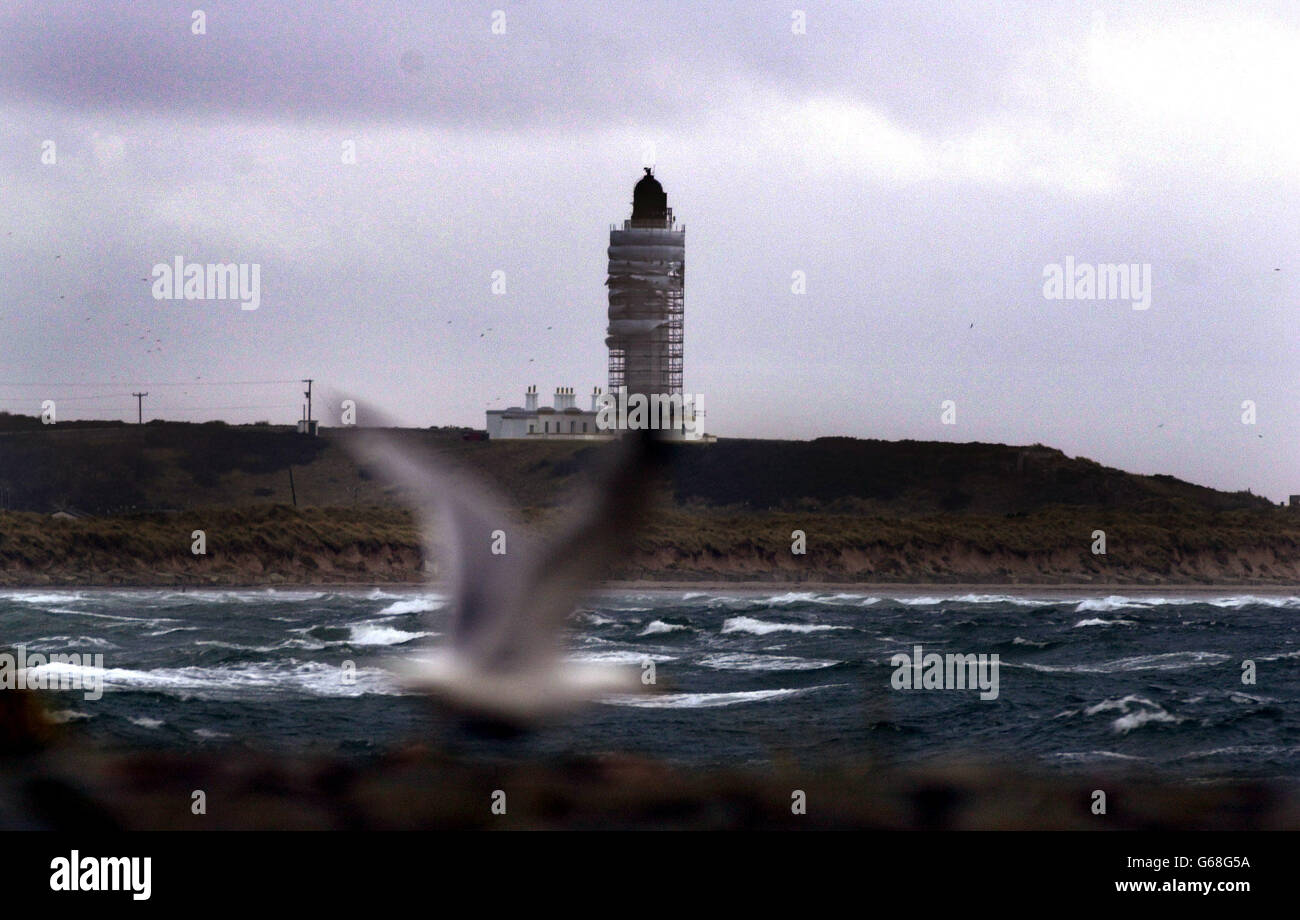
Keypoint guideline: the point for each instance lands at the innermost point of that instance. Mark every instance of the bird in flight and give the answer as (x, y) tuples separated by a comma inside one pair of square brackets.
[(510, 592)]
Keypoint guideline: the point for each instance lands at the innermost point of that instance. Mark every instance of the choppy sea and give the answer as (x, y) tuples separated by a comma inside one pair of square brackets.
[(1150, 681)]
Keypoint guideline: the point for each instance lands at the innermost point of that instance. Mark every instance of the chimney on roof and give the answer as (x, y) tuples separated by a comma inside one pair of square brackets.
[(595, 399), (530, 399)]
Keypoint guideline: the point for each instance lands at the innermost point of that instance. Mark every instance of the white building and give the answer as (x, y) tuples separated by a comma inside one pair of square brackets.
[(562, 420)]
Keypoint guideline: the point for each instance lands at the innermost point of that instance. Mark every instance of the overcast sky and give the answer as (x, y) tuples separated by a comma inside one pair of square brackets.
[(920, 162)]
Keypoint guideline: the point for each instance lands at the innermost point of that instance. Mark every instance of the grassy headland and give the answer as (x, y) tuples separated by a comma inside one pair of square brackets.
[(872, 511)]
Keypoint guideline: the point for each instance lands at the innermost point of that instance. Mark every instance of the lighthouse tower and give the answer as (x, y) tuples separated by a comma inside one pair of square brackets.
[(647, 262)]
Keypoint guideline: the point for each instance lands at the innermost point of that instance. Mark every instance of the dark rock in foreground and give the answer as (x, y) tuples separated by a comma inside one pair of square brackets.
[(74, 788)]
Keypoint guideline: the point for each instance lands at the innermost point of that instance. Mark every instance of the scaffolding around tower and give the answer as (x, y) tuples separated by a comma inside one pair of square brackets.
[(647, 263)]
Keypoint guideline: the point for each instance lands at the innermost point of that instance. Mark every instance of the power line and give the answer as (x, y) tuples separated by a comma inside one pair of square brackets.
[(183, 383), (13, 400), (158, 410), (219, 408), (162, 408)]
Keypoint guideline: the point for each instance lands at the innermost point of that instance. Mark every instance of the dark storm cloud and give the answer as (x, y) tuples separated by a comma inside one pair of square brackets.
[(558, 63)]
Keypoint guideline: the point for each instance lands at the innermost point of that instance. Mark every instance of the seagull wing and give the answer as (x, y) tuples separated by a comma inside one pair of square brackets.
[(458, 517), (598, 533)]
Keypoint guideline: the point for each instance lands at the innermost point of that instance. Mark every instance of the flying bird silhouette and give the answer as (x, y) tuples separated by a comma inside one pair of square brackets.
[(510, 592)]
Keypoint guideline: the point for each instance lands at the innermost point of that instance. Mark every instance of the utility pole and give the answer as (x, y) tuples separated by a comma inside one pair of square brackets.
[(139, 407), (308, 381)]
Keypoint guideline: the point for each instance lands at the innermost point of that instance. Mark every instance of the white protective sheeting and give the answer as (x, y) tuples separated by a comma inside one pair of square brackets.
[(646, 270), (647, 253), (646, 236)]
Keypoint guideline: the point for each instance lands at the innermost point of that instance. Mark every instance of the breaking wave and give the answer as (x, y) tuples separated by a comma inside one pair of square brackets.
[(763, 627)]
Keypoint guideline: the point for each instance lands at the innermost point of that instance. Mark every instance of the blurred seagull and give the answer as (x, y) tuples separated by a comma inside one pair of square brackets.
[(503, 665)]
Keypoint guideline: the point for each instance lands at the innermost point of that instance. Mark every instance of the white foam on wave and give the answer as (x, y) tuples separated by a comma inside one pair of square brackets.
[(791, 597), (145, 621), (381, 634), (788, 599), (740, 661), (1237, 696), (234, 681), (1253, 600), (1135, 711), (40, 597), (810, 597), (1237, 750), (726, 600), (1120, 602), (763, 627), (234, 646), (1234, 602), (585, 639), (1166, 661), (704, 700), (1135, 720), (1098, 621), (1124, 704), (929, 600), (61, 716), (413, 605), (67, 643), (314, 645), (171, 597), (1091, 756), (145, 722), (659, 627), (621, 656)]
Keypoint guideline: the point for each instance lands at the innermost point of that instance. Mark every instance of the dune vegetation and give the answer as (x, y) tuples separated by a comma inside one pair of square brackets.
[(279, 544)]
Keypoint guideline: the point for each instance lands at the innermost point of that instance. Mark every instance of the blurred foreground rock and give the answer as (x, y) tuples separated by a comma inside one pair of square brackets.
[(70, 787)]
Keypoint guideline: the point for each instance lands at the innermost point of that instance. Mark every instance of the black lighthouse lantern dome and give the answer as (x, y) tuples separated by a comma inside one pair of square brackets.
[(649, 200)]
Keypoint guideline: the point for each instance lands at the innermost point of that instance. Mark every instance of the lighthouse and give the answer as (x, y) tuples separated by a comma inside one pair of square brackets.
[(647, 261)]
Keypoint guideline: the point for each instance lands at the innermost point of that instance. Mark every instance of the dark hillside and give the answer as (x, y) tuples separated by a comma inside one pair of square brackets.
[(924, 476), (177, 466)]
